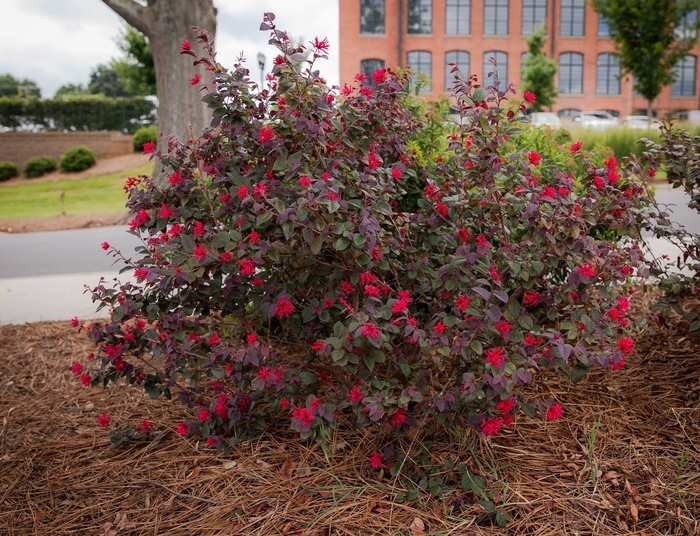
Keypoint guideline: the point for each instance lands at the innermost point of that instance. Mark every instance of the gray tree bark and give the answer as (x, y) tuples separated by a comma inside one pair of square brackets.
[(167, 23)]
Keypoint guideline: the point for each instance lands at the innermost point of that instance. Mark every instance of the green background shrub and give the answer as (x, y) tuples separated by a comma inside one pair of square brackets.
[(37, 166), (143, 135), (77, 158), (7, 171)]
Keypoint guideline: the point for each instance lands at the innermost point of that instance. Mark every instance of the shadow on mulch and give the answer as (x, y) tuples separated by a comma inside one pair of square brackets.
[(639, 474)]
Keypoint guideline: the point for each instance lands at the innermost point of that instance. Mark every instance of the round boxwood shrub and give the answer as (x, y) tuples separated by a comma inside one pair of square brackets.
[(37, 166), (77, 158), (144, 135), (7, 170)]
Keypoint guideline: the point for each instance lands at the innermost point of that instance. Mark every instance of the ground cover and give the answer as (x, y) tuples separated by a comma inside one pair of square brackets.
[(623, 460)]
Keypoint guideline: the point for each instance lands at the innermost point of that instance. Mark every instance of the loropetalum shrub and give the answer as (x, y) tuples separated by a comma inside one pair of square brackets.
[(278, 283)]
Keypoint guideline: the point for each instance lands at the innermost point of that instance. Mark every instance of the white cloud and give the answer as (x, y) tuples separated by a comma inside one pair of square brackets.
[(59, 42)]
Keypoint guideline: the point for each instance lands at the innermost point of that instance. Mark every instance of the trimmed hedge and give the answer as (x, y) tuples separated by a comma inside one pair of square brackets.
[(80, 112), (37, 166), (143, 135), (78, 158), (7, 170)]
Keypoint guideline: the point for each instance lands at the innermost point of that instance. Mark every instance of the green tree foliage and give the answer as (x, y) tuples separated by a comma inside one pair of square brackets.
[(136, 69), (70, 90), (650, 37), (104, 80), (539, 71), (13, 87)]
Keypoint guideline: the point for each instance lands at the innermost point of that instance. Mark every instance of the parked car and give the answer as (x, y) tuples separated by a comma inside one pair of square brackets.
[(686, 116), (542, 119), (638, 122), (598, 120)]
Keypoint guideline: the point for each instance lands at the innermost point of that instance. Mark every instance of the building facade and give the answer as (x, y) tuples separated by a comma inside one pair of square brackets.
[(430, 34)]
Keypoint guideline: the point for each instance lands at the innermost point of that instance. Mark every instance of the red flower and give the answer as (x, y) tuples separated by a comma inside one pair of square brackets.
[(105, 245), (247, 266), (370, 331), (375, 460), (373, 161), (531, 298), (586, 270), (279, 60), (318, 346), (531, 340), (495, 357), (195, 79), (304, 415), (214, 339), (506, 406), (85, 380), (321, 46), (200, 252), (379, 76), (242, 191), (625, 345), (149, 147), (176, 178), (482, 242), (462, 302), (503, 327), (534, 158), (284, 403), (361, 77), (396, 173), (618, 365), (555, 412), (442, 209), (463, 235), (77, 368), (284, 308), (165, 211), (305, 181), (204, 415), (529, 97), (355, 395), (398, 418), (490, 427), (366, 91), (181, 429), (575, 146), (371, 290), (146, 425), (185, 45), (74, 321), (226, 256), (400, 306), (439, 328), (266, 134), (367, 277), (251, 338), (103, 420)]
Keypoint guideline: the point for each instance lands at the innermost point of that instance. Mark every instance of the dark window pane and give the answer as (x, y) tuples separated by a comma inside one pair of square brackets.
[(607, 74), (684, 77), (687, 28), (461, 58), (502, 66), (421, 61), (572, 18), (534, 15), (603, 28), (420, 16), (571, 73), (496, 17), (458, 17), (367, 67), (372, 16)]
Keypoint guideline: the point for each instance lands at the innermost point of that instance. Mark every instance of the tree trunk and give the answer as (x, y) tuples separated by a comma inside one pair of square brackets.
[(648, 114), (167, 23)]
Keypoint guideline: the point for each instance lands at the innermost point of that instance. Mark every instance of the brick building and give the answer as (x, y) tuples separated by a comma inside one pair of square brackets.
[(429, 34)]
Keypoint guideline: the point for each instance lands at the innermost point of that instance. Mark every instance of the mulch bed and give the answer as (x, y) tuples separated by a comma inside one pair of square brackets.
[(58, 474)]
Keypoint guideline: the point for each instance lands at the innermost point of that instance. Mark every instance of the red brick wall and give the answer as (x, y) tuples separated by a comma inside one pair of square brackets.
[(18, 147), (355, 47)]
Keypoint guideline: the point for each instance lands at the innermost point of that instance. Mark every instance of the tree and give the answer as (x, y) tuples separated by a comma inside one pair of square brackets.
[(136, 70), (651, 36), (12, 87), (166, 23), (539, 71), (105, 80), (70, 90)]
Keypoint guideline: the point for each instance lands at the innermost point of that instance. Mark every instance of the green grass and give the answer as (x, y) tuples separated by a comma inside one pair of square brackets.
[(92, 195), (623, 142)]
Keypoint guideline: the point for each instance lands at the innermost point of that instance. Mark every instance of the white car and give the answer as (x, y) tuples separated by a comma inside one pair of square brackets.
[(599, 120), (638, 122), (542, 119)]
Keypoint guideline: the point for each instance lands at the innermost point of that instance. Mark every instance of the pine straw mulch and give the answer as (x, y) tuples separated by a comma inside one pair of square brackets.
[(58, 474)]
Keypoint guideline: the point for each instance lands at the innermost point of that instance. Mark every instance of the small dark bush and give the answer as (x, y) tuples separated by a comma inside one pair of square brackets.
[(37, 166), (144, 135), (77, 158), (7, 170)]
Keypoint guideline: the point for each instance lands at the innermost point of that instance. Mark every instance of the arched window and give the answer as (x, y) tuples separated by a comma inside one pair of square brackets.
[(502, 67), (372, 16), (459, 57), (684, 77), (458, 17), (570, 73), (496, 17), (534, 15), (421, 61), (420, 16), (607, 74), (367, 67), (572, 18)]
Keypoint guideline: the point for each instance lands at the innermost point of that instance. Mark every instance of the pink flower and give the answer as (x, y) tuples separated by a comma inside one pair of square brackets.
[(251, 338), (74, 321), (284, 308), (181, 429), (482, 242), (103, 420), (503, 327), (146, 425), (355, 395), (370, 331), (284, 403), (366, 91), (304, 415), (176, 178), (200, 252), (442, 209), (165, 211), (531, 340), (529, 97), (305, 181), (586, 270), (490, 427), (149, 147), (77, 368), (185, 45), (226, 256), (266, 134), (379, 76), (618, 365), (367, 277), (575, 146), (195, 79), (396, 173), (625, 345), (462, 302), (534, 158), (86, 380), (373, 161), (439, 328), (506, 406), (247, 266), (495, 357), (361, 77), (346, 287), (105, 245), (371, 290), (375, 460), (555, 412), (204, 415), (321, 46), (399, 306), (242, 191)]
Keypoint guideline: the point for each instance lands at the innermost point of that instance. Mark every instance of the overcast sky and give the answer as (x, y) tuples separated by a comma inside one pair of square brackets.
[(56, 42)]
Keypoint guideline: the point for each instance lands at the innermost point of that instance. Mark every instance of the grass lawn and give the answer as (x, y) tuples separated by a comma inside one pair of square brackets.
[(91, 195)]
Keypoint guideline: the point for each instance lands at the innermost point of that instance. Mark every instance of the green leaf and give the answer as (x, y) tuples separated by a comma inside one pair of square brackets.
[(502, 518), (307, 378), (280, 165), (528, 409), (525, 322), (341, 244), (263, 218), (578, 373), (476, 346), (316, 245)]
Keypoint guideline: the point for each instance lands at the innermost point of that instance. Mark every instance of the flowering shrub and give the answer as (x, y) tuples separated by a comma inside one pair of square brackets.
[(278, 282)]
